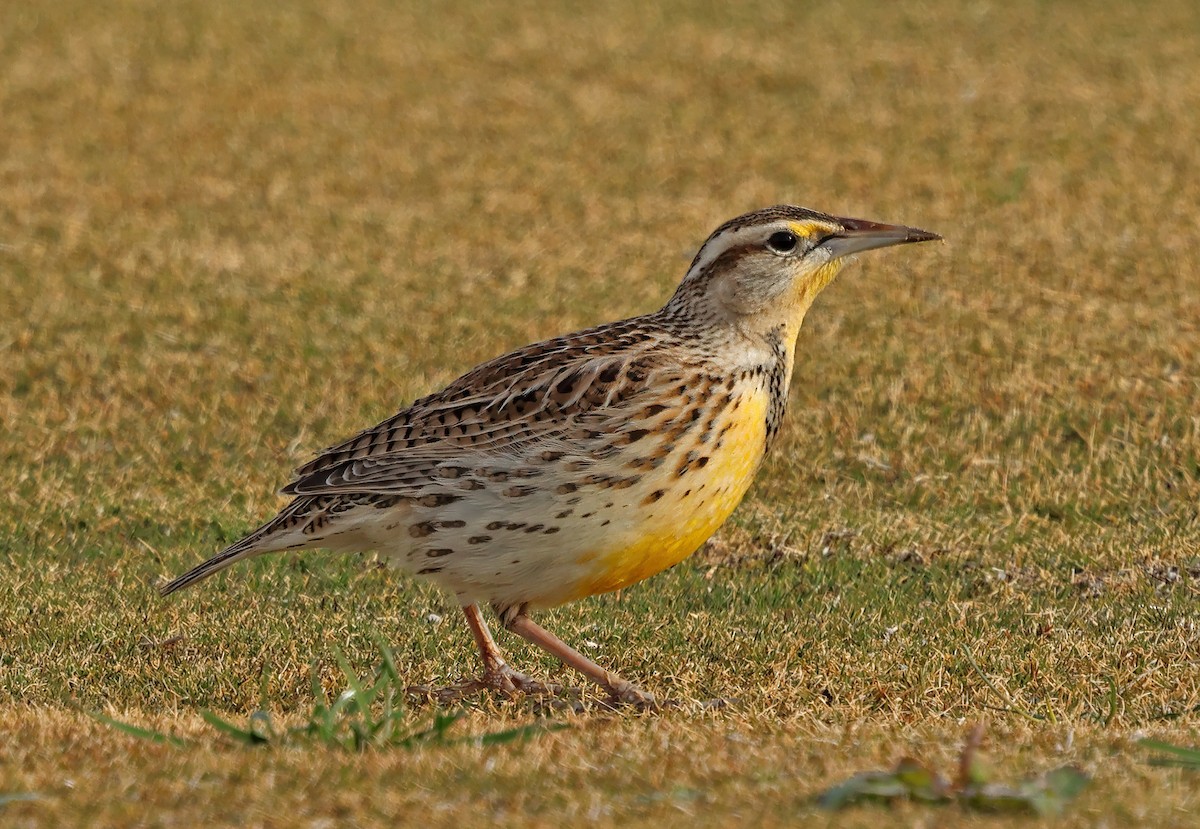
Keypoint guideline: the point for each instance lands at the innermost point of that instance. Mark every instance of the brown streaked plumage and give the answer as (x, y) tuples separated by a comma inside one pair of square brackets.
[(587, 462)]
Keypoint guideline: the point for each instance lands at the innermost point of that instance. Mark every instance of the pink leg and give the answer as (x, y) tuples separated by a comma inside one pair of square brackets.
[(497, 675), (621, 689), (493, 660)]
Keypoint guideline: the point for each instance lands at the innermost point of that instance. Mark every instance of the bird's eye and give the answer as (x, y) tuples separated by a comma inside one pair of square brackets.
[(782, 242)]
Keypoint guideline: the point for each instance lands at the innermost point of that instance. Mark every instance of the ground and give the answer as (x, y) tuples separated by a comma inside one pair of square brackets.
[(234, 233)]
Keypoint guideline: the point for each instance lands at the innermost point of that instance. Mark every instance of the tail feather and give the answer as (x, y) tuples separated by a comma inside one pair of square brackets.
[(266, 539), (307, 522)]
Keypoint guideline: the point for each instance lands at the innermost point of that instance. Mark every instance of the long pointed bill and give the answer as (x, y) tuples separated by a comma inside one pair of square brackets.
[(859, 235)]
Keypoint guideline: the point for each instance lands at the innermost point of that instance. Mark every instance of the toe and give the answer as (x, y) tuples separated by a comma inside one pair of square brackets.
[(629, 694)]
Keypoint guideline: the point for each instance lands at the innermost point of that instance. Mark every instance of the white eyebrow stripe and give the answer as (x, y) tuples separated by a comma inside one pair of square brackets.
[(726, 240)]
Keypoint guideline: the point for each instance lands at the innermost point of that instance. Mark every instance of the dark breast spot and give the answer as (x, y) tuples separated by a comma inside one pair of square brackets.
[(685, 464), (421, 530), (439, 500)]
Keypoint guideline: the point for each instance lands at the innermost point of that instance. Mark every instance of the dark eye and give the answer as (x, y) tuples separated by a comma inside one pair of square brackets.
[(782, 242)]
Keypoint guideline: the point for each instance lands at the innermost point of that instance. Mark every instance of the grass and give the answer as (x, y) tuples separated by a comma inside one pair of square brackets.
[(971, 786), (231, 234), (364, 716)]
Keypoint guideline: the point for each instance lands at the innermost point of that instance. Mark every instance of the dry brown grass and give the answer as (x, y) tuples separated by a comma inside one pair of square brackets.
[(231, 234)]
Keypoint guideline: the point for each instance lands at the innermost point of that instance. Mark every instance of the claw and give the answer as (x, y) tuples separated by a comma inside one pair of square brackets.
[(499, 679), (507, 681), (626, 693)]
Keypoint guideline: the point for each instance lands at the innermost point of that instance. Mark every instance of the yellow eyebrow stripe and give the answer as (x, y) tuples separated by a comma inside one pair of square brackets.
[(808, 230)]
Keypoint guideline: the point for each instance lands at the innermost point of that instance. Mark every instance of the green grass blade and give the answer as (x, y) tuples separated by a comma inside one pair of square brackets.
[(247, 736), (1179, 756), (518, 734), (322, 722), (138, 731), (352, 678), (434, 734), (318, 691), (1113, 702), (389, 659)]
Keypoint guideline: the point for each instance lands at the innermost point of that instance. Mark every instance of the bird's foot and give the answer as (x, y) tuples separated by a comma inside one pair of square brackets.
[(507, 681), (625, 693), (498, 678)]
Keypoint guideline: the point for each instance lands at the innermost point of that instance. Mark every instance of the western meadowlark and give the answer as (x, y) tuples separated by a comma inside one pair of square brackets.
[(584, 463)]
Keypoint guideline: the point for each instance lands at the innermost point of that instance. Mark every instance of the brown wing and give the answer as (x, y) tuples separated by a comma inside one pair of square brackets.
[(544, 397)]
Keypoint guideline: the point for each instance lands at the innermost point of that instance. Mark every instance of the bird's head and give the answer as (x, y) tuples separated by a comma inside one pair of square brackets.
[(767, 267)]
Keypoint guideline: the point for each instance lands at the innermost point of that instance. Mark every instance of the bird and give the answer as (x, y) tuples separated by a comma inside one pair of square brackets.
[(585, 463)]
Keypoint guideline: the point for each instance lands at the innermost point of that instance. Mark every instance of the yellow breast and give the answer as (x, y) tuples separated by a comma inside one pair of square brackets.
[(675, 513)]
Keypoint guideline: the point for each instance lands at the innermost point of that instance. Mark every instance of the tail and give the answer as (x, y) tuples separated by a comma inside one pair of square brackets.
[(270, 537)]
